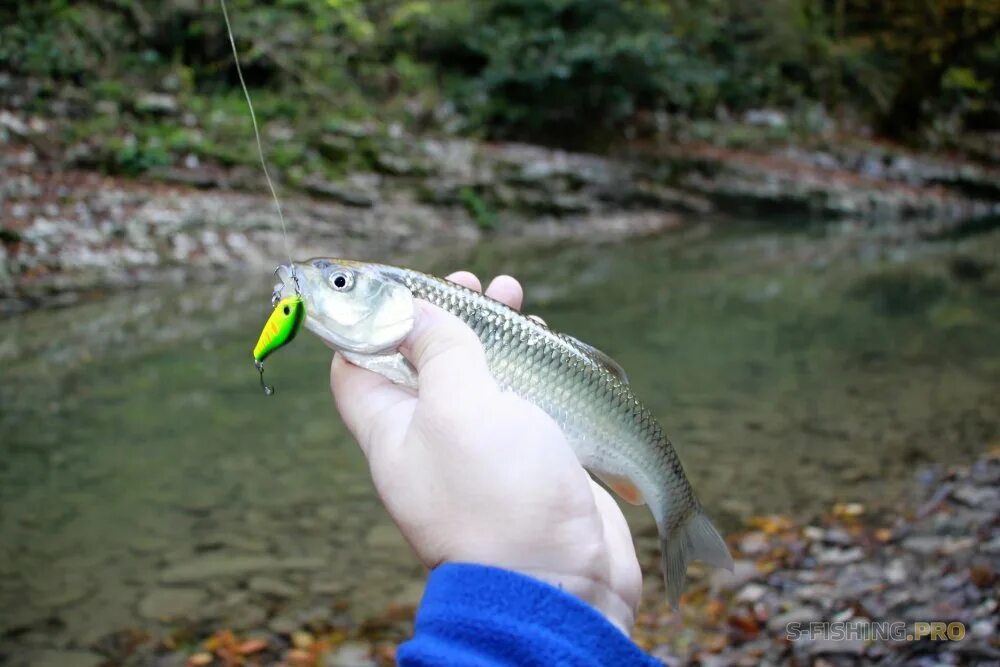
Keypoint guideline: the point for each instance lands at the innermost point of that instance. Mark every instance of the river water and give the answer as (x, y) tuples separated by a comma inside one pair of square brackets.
[(145, 476)]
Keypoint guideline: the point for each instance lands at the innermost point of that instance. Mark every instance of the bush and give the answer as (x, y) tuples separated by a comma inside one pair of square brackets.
[(557, 70)]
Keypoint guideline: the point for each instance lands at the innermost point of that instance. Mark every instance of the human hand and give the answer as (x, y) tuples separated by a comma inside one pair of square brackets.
[(473, 474)]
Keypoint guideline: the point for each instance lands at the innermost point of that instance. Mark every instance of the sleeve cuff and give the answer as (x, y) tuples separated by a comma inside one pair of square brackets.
[(479, 615)]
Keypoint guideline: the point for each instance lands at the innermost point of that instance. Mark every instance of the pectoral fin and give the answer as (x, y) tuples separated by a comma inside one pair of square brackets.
[(393, 367), (624, 487)]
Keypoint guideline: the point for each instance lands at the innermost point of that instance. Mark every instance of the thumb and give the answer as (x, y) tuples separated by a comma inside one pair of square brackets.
[(447, 354)]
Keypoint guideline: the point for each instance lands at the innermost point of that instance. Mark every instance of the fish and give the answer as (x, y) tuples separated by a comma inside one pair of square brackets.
[(365, 310)]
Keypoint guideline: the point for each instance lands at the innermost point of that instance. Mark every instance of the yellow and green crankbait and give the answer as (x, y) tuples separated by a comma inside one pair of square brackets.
[(279, 330)]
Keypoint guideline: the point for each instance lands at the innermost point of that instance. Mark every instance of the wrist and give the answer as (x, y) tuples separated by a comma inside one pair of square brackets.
[(594, 591)]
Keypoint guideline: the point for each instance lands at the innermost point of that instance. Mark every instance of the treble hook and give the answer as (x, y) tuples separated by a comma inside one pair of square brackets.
[(276, 295), (268, 390)]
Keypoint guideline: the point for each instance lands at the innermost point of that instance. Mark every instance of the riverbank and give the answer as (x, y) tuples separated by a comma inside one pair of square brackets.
[(68, 233), (934, 560)]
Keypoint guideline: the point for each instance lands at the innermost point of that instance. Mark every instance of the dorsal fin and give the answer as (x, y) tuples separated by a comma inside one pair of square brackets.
[(597, 357)]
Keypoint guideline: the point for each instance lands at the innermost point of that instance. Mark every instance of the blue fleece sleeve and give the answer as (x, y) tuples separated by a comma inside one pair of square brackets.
[(477, 615)]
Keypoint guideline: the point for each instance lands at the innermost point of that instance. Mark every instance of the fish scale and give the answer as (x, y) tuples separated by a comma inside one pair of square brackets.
[(611, 432)]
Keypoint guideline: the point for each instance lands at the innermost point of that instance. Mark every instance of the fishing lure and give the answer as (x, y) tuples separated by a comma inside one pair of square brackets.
[(279, 330)]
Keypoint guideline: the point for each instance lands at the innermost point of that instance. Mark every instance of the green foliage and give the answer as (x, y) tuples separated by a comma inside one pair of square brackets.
[(557, 71), (481, 212)]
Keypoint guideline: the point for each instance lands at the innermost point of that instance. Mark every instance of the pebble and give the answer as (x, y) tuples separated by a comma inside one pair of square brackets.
[(855, 647), (751, 593), (838, 556), (744, 571), (386, 536), (244, 617), (350, 654), (924, 545), (804, 615), (216, 566), (271, 586), (977, 496), (164, 604), (52, 658), (754, 544)]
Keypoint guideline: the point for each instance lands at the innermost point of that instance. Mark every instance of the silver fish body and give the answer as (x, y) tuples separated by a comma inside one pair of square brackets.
[(613, 435)]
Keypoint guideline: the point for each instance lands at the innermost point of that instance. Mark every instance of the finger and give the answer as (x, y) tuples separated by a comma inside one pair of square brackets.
[(465, 279), (506, 290), (375, 410), (626, 577), (446, 353)]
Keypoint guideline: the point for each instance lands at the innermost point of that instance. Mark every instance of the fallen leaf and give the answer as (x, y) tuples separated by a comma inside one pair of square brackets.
[(771, 524), (848, 510), (251, 646), (200, 660), (299, 657)]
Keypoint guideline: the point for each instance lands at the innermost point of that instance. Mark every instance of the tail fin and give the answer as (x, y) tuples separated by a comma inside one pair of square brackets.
[(695, 539)]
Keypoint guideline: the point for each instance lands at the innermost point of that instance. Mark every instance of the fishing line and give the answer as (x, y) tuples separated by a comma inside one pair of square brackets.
[(260, 146)]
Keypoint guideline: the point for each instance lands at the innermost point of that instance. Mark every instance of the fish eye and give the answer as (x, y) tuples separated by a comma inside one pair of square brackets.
[(341, 280), (286, 310)]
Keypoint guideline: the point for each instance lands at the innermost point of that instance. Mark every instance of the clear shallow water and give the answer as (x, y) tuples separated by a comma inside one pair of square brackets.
[(143, 472)]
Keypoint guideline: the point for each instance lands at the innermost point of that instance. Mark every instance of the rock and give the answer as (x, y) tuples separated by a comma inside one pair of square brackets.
[(395, 165), (328, 586), (335, 148), (803, 615), (765, 118), (838, 556), (283, 624), (273, 587), (977, 496), (294, 618), (751, 593), (351, 130), (164, 604), (854, 647), (156, 104), (385, 537), (338, 193), (838, 536), (983, 629), (244, 617), (410, 595), (754, 544), (350, 654), (217, 566), (895, 571), (56, 658), (812, 592), (177, 659), (925, 545), (744, 571)]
